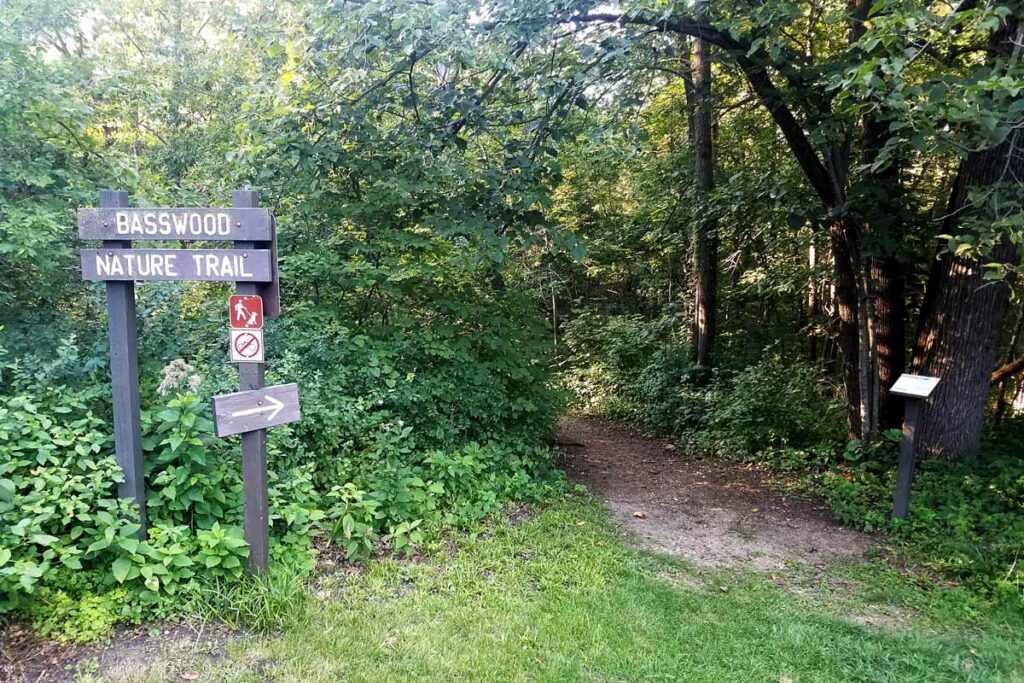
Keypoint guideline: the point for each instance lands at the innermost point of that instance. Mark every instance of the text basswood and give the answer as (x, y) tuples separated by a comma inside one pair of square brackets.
[(247, 225), (166, 224), (237, 265)]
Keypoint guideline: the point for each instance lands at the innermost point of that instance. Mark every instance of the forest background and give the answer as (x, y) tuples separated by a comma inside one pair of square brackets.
[(735, 224)]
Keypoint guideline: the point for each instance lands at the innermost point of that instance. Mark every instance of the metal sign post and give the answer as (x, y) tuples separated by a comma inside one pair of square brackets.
[(915, 389), (252, 265)]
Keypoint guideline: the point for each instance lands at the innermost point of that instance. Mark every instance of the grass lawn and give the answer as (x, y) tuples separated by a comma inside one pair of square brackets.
[(561, 597)]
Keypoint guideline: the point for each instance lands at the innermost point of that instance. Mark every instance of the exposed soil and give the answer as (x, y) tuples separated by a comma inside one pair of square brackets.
[(713, 514), (129, 653)]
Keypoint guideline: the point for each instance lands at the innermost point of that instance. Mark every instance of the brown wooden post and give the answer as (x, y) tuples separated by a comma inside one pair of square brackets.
[(254, 443), (124, 374)]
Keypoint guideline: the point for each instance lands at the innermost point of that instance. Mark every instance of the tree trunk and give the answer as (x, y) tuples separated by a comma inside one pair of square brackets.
[(884, 220), (706, 243), (960, 329), (963, 314), (890, 336), (842, 234), (812, 302)]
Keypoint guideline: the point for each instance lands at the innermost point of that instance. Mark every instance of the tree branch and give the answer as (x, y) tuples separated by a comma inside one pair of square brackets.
[(1007, 371), (752, 63)]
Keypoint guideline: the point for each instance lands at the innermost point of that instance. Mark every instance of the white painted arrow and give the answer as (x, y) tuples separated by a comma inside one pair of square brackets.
[(277, 407)]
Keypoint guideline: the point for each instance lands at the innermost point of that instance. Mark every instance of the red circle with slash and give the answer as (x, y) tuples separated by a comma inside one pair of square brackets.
[(247, 345)]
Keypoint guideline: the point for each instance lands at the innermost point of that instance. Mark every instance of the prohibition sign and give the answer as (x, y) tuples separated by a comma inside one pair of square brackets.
[(247, 346)]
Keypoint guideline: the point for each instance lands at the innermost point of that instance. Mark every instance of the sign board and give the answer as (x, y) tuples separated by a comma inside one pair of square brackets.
[(245, 312), (247, 346), (252, 266), (247, 411), (914, 386), (233, 265), (225, 225)]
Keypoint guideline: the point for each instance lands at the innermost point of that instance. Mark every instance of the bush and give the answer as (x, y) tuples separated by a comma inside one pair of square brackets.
[(405, 428), (774, 409), (964, 517), (771, 409), (68, 545), (624, 366)]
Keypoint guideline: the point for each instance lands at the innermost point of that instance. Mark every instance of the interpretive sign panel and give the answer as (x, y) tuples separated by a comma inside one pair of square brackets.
[(914, 386)]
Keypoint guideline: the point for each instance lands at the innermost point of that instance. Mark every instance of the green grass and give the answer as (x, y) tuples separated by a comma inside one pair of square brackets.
[(560, 597)]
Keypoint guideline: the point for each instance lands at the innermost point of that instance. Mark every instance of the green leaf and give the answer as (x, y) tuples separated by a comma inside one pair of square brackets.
[(122, 566), (43, 539), (7, 490), (129, 544)]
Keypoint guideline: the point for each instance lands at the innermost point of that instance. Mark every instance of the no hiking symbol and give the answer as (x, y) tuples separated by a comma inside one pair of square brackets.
[(246, 315)]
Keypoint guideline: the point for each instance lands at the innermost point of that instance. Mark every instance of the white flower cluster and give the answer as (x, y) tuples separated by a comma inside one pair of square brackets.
[(179, 375)]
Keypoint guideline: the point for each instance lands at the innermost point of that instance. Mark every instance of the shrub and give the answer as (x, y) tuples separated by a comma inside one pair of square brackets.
[(773, 409), (770, 407), (964, 517), (68, 546), (404, 429), (623, 365)]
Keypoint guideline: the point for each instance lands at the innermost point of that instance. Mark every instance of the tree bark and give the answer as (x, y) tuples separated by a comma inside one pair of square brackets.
[(846, 305), (890, 335), (960, 328), (884, 220), (963, 314), (706, 242), (812, 302)]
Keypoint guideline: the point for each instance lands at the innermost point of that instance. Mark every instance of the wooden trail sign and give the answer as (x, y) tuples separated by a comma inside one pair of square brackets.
[(210, 265), (245, 411), (252, 265), (225, 225)]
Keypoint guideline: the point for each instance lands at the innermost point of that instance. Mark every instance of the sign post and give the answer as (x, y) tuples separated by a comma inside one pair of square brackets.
[(254, 443), (124, 372), (915, 389), (252, 265)]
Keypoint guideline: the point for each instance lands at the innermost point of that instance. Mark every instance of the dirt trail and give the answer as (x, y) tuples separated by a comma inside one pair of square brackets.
[(713, 514)]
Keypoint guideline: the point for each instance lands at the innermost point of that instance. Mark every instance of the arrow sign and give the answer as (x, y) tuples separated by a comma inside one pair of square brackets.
[(272, 404), (247, 411)]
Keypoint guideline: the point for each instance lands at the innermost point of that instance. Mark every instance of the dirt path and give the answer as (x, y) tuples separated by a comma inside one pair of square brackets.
[(711, 514)]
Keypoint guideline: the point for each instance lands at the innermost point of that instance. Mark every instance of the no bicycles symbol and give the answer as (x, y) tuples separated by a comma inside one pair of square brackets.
[(247, 346)]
